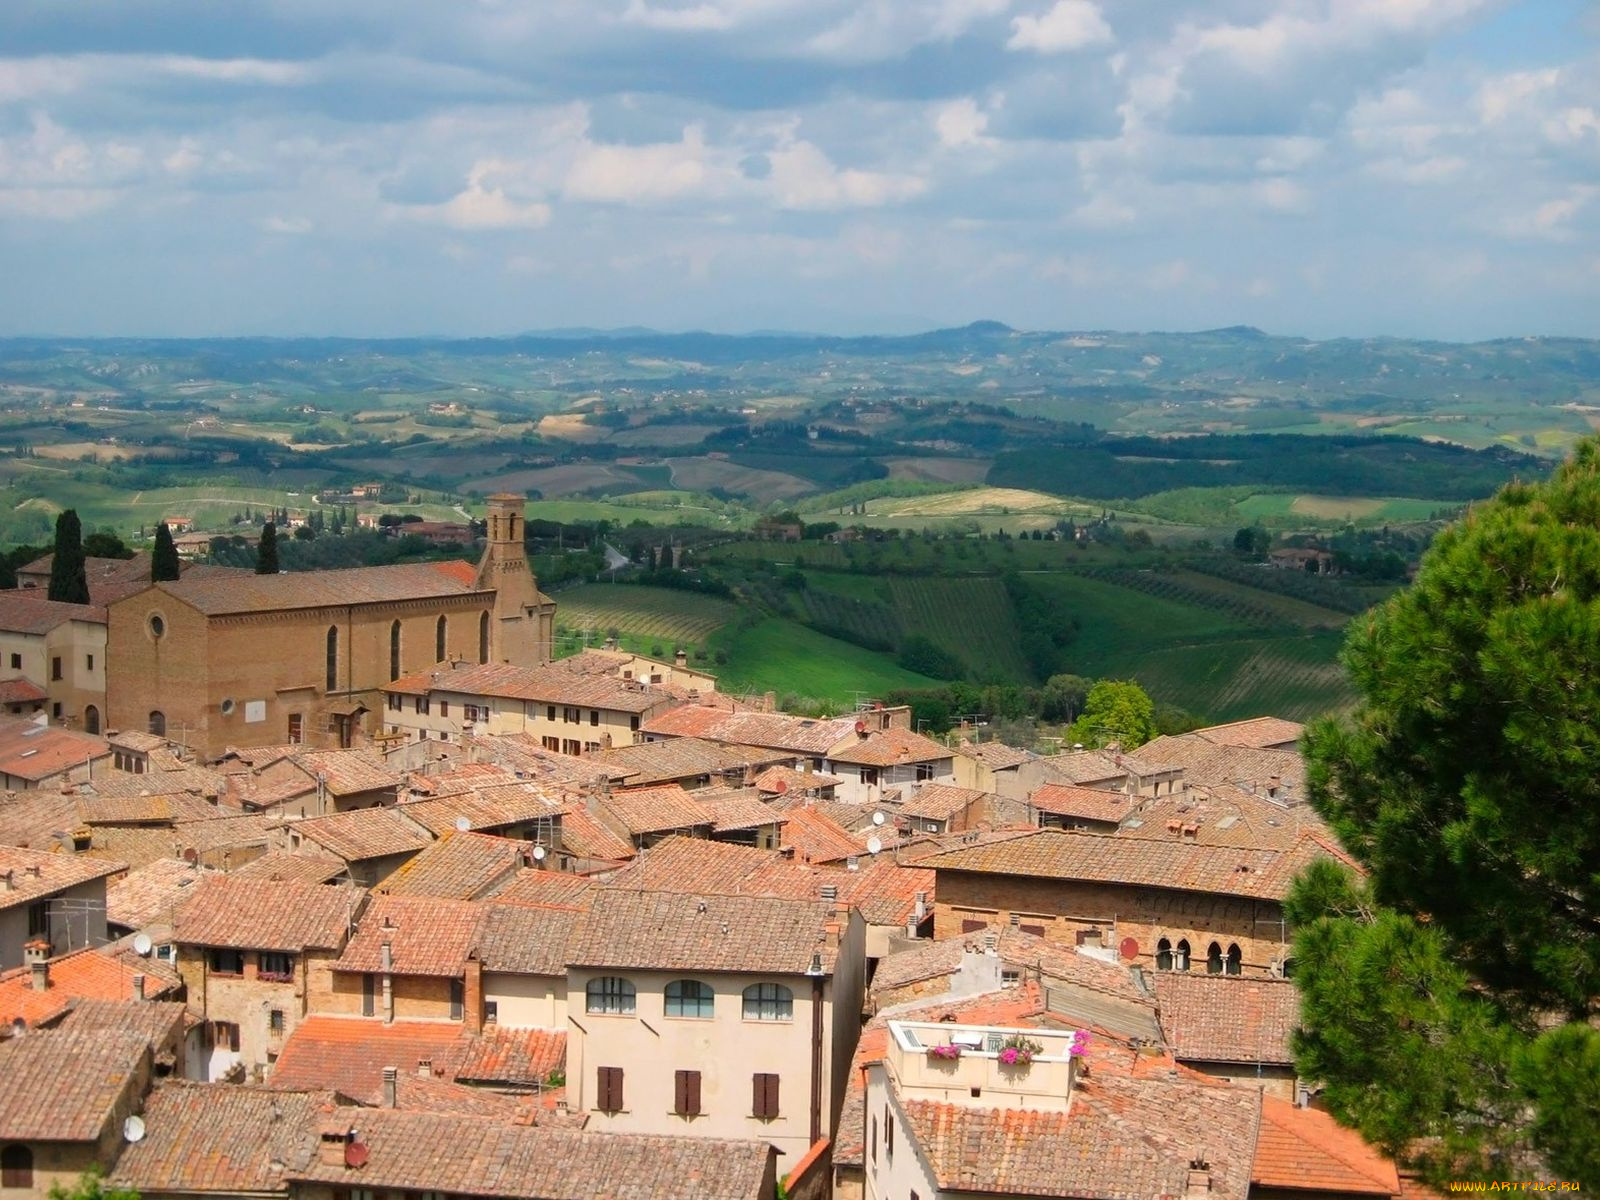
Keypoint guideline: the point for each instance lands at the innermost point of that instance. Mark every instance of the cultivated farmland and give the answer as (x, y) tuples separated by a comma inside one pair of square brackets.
[(663, 615)]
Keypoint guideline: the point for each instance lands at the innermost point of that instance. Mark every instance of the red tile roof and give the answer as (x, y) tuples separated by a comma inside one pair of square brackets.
[(64, 1086), (540, 888), (426, 935), (35, 874), (21, 691), (1257, 733), (585, 838), (246, 591), (151, 892), (888, 748), (348, 1054), (776, 731), (38, 752), (516, 939), (539, 685), (522, 1058), (1307, 1150), (673, 931), (26, 610), (813, 837), (266, 914), (83, 974), (364, 833), (939, 801), (1092, 804), (930, 960), (1227, 1018), (778, 781), (459, 866), (295, 868), (656, 810)]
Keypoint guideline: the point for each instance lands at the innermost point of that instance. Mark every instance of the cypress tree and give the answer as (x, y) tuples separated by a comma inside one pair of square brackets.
[(164, 562), (68, 581), (267, 551)]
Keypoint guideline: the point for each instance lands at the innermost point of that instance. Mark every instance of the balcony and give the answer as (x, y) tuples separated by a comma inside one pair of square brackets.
[(969, 1064)]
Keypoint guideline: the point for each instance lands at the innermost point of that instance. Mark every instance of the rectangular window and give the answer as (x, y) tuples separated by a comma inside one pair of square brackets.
[(369, 995), (571, 716), (55, 710), (458, 1000), (394, 702), (39, 919), (444, 708), (924, 771), (88, 660), (225, 1035), (550, 712), (276, 968), (633, 722), (552, 744), (296, 729), (594, 716), (872, 1141), (275, 1021), (491, 1012), (888, 1134), (869, 776), (608, 1098), (227, 962), (571, 746), (686, 1093), (16, 662), (764, 1096), (422, 704), (55, 667), (591, 747)]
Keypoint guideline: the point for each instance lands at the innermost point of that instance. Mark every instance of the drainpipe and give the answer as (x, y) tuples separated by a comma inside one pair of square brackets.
[(816, 1060)]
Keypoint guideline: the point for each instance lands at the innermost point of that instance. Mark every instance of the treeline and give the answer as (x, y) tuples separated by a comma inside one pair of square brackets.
[(1334, 465)]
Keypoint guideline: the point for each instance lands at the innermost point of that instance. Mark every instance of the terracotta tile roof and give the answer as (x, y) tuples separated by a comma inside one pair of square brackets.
[(696, 866), (35, 874), (1010, 1008), (779, 781), (539, 685), (292, 868), (247, 592), (522, 800), (584, 837), (680, 758), (739, 808), (81, 975), (119, 806), (26, 610), (493, 1159), (158, 1022), (1207, 763), (347, 772), (37, 752), (1091, 804), (1093, 766), (523, 754), (1137, 862), (997, 756), (672, 931), (110, 579), (364, 833), (40, 819), (775, 731), (536, 887), (21, 691), (64, 1086), (939, 801), (519, 940), (1258, 733), (427, 936), (1306, 1149), (413, 1093), (150, 893), (888, 748), (459, 866), (441, 814), (462, 572), (813, 837), (222, 832), (269, 1131), (930, 960), (512, 1057), (348, 1054), (1226, 816), (1121, 1138), (1227, 1018), (917, 847), (884, 890), (656, 810), (266, 914), (136, 739)]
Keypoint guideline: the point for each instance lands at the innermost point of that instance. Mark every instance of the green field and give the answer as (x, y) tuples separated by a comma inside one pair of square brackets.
[(642, 614), (792, 660), (1312, 510), (1293, 677)]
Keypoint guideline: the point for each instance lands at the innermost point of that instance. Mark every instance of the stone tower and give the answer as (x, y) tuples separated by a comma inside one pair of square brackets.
[(524, 617)]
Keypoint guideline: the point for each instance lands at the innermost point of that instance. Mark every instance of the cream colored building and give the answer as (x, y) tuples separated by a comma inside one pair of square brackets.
[(61, 650), (714, 1016)]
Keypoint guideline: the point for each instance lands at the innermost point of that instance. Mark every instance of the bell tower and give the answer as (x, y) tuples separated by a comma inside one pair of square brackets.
[(522, 625)]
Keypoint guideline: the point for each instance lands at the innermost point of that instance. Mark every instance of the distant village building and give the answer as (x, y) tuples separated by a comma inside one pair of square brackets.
[(239, 659), (52, 659)]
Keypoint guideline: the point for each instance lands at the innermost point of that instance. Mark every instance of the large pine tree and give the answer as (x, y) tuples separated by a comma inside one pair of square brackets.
[(164, 560), (68, 580), (1448, 998), (267, 551)]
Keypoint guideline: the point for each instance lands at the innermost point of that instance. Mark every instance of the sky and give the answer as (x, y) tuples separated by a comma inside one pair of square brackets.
[(1420, 168)]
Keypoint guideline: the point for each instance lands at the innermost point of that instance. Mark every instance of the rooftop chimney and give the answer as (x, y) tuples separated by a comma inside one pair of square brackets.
[(8, 880), (391, 1086), (1199, 1181), (425, 1068), (37, 955), (138, 987), (830, 891)]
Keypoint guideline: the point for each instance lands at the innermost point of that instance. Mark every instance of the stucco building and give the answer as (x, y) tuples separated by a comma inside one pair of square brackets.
[(219, 660), (60, 650)]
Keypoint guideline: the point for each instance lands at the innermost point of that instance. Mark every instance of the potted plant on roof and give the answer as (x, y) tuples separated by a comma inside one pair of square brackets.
[(1017, 1050), (948, 1052)]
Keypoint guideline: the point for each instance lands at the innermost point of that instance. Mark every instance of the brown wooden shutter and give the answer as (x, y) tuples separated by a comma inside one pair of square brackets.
[(969, 926), (686, 1093), (764, 1095), (610, 1089), (888, 1132)]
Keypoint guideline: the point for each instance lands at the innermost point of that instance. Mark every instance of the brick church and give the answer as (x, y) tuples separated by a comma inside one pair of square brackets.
[(256, 660)]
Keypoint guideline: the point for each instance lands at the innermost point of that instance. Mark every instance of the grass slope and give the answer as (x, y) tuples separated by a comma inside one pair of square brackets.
[(662, 615), (788, 658)]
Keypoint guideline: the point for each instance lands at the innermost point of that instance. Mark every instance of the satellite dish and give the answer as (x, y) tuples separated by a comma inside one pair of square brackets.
[(463, 824), (877, 818), (190, 856), (142, 945), (780, 787), (861, 727), (1129, 948), (133, 1129), (874, 844), (356, 1154), (539, 852)]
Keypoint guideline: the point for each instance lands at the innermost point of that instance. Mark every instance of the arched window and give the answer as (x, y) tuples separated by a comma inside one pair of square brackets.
[(483, 637), (332, 681), (158, 722), (1180, 956), (768, 1002), (690, 998), (1214, 960), (16, 1167), (1164, 955), (394, 651), (91, 719), (438, 639), (609, 994), (1235, 960)]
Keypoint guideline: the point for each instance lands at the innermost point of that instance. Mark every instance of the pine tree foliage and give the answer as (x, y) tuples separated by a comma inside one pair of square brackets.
[(164, 560), (68, 579), (1447, 999), (267, 550)]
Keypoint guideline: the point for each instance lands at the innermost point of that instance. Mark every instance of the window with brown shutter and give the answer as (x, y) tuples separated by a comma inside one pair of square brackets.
[(16, 1167), (764, 1096), (609, 1099), (686, 1093), (971, 926), (872, 1141), (888, 1134)]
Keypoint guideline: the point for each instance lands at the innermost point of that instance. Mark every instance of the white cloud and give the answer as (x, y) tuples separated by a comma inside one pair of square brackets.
[(1502, 97), (292, 226), (622, 174), (689, 18), (880, 29), (484, 205), (1068, 25), (802, 177), (961, 123)]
